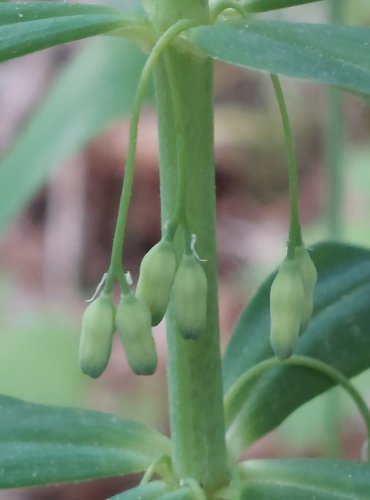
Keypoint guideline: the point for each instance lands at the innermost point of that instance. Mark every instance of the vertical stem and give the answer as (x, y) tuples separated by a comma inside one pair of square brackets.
[(194, 367), (334, 139)]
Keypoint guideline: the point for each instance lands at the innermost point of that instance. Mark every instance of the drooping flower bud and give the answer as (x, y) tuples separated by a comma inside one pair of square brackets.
[(286, 303), (309, 278), (190, 298), (157, 272), (96, 337), (133, 323)]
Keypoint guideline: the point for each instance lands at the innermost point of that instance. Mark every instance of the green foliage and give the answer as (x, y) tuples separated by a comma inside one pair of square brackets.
[(268, 5), (44, 444), (148, 491), (332, 54), (304, 479), (336, 334), (95, 87), (25, 28)]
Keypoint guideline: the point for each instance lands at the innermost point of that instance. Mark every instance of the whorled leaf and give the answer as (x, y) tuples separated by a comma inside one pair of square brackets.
[(18, 12), (267, 5), (304, 479), (148, 491), (28, 27), (337, 334), (332, 54), (44, 444)]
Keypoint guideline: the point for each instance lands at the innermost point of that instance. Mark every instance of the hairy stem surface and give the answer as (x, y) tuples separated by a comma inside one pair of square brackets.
[(194, 367)]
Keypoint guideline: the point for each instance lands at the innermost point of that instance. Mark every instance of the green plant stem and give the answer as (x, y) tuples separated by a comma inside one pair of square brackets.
[(194, 367), (115, 269), (295, 235), (220, 7), (337, 377), (182, 152)]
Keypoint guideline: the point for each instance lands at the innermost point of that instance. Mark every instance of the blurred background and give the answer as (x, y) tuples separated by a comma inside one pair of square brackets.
[(57, 230)]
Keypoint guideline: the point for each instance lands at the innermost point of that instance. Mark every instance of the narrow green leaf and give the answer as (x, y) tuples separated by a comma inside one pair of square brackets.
[(304, 479), (148, 491), (17, 12), (183, 493), (332, 54), (95, 87), (153, 491), (267, 5), (337, 334), (25, 28), (44, 444)]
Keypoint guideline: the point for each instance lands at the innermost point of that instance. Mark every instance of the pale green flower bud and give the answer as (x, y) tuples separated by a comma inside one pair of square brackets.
[(189, 293), (309, 278), (96, 337), (133, 322), (157, 272), (286, 302)]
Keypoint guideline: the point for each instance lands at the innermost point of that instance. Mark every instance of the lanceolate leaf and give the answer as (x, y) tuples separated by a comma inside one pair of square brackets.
[(183, 493), (43, 444), (148, 491), (332, 54), (337, 334), (17, 12), (304, 479), (25, 28), (95, 87), (267, 5), (155, 490)]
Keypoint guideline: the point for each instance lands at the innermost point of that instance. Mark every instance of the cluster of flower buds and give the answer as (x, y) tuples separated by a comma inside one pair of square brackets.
[(132, 320), (291, 301), (159, 280)]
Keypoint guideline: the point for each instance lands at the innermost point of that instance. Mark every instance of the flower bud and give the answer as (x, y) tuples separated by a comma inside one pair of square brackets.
[(190, 298), (157, 272), (96, 338), (308, 273), (133, 322), (286, 302)]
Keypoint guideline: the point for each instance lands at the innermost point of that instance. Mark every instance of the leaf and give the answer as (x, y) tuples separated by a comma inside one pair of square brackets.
[(44, 444), (32, 11), (25, 28), (153, 491), (332, 54), (337, 334), (95, 87), (183, 493), (305, 479), (267, 5), (148, 491)]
